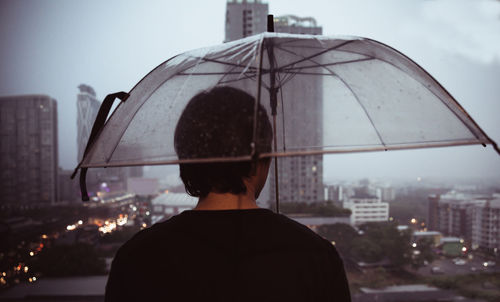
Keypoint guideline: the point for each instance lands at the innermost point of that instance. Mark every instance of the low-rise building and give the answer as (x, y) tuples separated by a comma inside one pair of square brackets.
[(366, 208)]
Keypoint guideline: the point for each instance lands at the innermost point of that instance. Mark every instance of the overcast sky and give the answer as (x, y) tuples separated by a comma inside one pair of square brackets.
[(52, 46)]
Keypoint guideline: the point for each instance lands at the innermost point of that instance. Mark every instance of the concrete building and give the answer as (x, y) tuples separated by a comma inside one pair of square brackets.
[(297, 25), (245, 18), (28, 150), (87, 108), (366, 208), (334, 193), (300, 178), (486, 225), (455, 214), (432, 212)]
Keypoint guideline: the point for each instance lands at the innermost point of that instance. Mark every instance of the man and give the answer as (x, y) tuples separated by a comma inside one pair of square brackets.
[(226, 248)]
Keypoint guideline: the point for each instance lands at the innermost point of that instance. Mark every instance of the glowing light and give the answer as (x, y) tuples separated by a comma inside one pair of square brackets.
[(464, 249), (461, 241), (2, 281), (166, 191), (34, 278), (26, 269), (333, 242), (413, 220), (32, 254), (144, 225), (134, 208), (414, 244), (485, 264), (80, 222), (44, 236), (391, 218), (30, 280), (314, 168), (147, 213), (4, 274), (71, 227)]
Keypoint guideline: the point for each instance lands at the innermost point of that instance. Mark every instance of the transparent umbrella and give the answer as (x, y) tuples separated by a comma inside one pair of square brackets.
[(324, 95)]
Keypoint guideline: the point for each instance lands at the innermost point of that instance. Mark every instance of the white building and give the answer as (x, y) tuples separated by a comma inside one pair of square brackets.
[(366, 208)]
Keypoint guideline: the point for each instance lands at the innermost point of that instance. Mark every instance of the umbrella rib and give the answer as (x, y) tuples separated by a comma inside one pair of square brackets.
[(331, 64), (316, 54), (224, 63)]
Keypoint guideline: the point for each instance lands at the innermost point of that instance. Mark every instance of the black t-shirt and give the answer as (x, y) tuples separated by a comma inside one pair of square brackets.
[(227, 255)]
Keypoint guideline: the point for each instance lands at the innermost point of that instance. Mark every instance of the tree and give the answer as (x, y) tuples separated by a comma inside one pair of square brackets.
[(342, 234), (425, 253)]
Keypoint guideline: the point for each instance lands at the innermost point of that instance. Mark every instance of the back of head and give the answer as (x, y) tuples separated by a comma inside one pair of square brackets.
[(219, 123)]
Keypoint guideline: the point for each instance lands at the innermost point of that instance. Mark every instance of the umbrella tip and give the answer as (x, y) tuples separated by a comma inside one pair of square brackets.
[(270, 23)]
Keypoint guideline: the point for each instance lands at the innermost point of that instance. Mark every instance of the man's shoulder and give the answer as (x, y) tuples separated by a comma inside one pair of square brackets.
[(289, 229)]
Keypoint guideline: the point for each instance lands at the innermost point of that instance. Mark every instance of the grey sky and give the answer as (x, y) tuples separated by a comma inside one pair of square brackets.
[(52, 46)]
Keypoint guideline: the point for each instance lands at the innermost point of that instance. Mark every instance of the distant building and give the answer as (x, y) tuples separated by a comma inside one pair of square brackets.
[(334, 193), (486, 226), (28, 150), (245, 18), (115, 178), (297, 25), (87, 106), (300, 178), (366, 208), (454, 214), (68, 188), (432, 212)]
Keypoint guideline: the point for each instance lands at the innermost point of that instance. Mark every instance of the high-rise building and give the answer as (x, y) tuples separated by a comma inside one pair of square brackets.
[(115, 178), (28, 150), (486, 226), (87, 108), (300, 178), (245, 18)]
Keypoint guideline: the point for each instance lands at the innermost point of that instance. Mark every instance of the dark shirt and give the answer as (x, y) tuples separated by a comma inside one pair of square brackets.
[(230, 255)]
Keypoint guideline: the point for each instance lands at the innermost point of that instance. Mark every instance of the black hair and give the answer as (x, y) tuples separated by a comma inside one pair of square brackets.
[(219, 123)]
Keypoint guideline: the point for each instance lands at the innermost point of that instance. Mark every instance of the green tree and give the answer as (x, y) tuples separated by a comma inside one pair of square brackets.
[(366, 250), (425, 253), (343, 235)]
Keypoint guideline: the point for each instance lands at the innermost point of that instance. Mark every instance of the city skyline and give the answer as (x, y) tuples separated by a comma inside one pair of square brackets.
[(459, 52)]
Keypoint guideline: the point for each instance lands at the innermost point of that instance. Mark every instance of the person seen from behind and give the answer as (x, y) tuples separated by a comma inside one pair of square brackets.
[(226, 248)]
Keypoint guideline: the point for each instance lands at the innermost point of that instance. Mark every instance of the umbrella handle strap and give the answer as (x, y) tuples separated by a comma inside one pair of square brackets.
[(99, 122)]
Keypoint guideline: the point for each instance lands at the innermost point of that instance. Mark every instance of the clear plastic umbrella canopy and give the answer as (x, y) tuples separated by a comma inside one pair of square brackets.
[(326, 95)]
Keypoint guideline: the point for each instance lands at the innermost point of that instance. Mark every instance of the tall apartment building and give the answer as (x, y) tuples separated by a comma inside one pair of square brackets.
[(366, 208), (28, 150), (485, 218), (300, 178), (245, 18), (87, 108)]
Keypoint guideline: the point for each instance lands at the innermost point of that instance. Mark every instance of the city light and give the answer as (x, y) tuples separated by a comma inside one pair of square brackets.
[(2, 281), (413, 220), (464, 249), (44, 236), (80, 222), (414, 244), (144, 225), (333, 242), (71, 227), (32, 254), (26, 269)]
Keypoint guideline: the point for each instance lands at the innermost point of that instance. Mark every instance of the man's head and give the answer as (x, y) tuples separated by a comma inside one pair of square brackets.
[(219, 123)]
